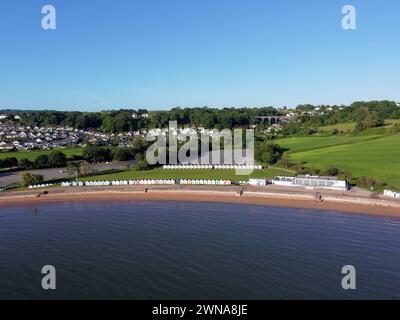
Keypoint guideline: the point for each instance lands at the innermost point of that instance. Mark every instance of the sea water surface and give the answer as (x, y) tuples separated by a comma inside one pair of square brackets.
[(186, 250)]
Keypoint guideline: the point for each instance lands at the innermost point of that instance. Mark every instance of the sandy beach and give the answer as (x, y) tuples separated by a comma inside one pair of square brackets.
[(259, 196)]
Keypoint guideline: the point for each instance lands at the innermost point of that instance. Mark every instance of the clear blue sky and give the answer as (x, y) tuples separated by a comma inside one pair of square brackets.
[(165, 53)]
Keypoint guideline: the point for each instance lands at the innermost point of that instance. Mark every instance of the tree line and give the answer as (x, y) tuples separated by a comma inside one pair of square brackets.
[(55, 159), (58, 159), (125, 120)]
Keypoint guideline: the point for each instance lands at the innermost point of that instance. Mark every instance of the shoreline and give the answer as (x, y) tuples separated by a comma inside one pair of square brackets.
[(255, 196)]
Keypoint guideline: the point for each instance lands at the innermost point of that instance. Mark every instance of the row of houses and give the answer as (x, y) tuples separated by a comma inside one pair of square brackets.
[(181, 134), (14, 136), (17, 137)]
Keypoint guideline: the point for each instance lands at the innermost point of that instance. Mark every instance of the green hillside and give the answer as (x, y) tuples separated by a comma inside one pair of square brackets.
[(305, 143), (350, 126), (370, 156)]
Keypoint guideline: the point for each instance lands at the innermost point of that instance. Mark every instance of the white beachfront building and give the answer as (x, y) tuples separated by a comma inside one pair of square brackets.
[(316, 182)]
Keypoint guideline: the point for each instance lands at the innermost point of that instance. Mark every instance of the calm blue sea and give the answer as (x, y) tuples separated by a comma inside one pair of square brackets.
[(185, 250)]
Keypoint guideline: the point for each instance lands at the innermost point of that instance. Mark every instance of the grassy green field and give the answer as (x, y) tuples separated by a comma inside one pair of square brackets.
[(32, 155), (297, 144), (349, 127), (188, 174), (176, 175), (370, 156), (345, 127)]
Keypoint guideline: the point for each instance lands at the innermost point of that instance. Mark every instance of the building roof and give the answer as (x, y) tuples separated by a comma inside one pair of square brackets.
[(316, 177)]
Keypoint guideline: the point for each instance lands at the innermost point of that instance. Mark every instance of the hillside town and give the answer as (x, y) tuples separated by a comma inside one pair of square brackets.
[(17, 137), (21, 130)]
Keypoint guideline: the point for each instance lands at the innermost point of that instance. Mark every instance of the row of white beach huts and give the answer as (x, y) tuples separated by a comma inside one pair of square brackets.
[(45, 185), (116, 183), (206, 182), (210, 166), (144, 182), (391, 193)]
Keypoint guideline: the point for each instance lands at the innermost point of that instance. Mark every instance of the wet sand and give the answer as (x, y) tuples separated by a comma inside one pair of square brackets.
[(206, 194)]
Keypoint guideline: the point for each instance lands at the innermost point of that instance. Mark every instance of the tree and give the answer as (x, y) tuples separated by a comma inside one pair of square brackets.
[(141, 165), (395, 129), (139, 156), (96, 154), (332, 171), (29, 179), (122, 154), (124, 122), (86, 168), (25, 164), (286, 160), (9, 162), (266, 157), (57, 159), (308, 131), (291, 128), (139, 145), (267, 152), (42, 161), (368, 120), (74, 168), (88, 121), (208, 121)]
